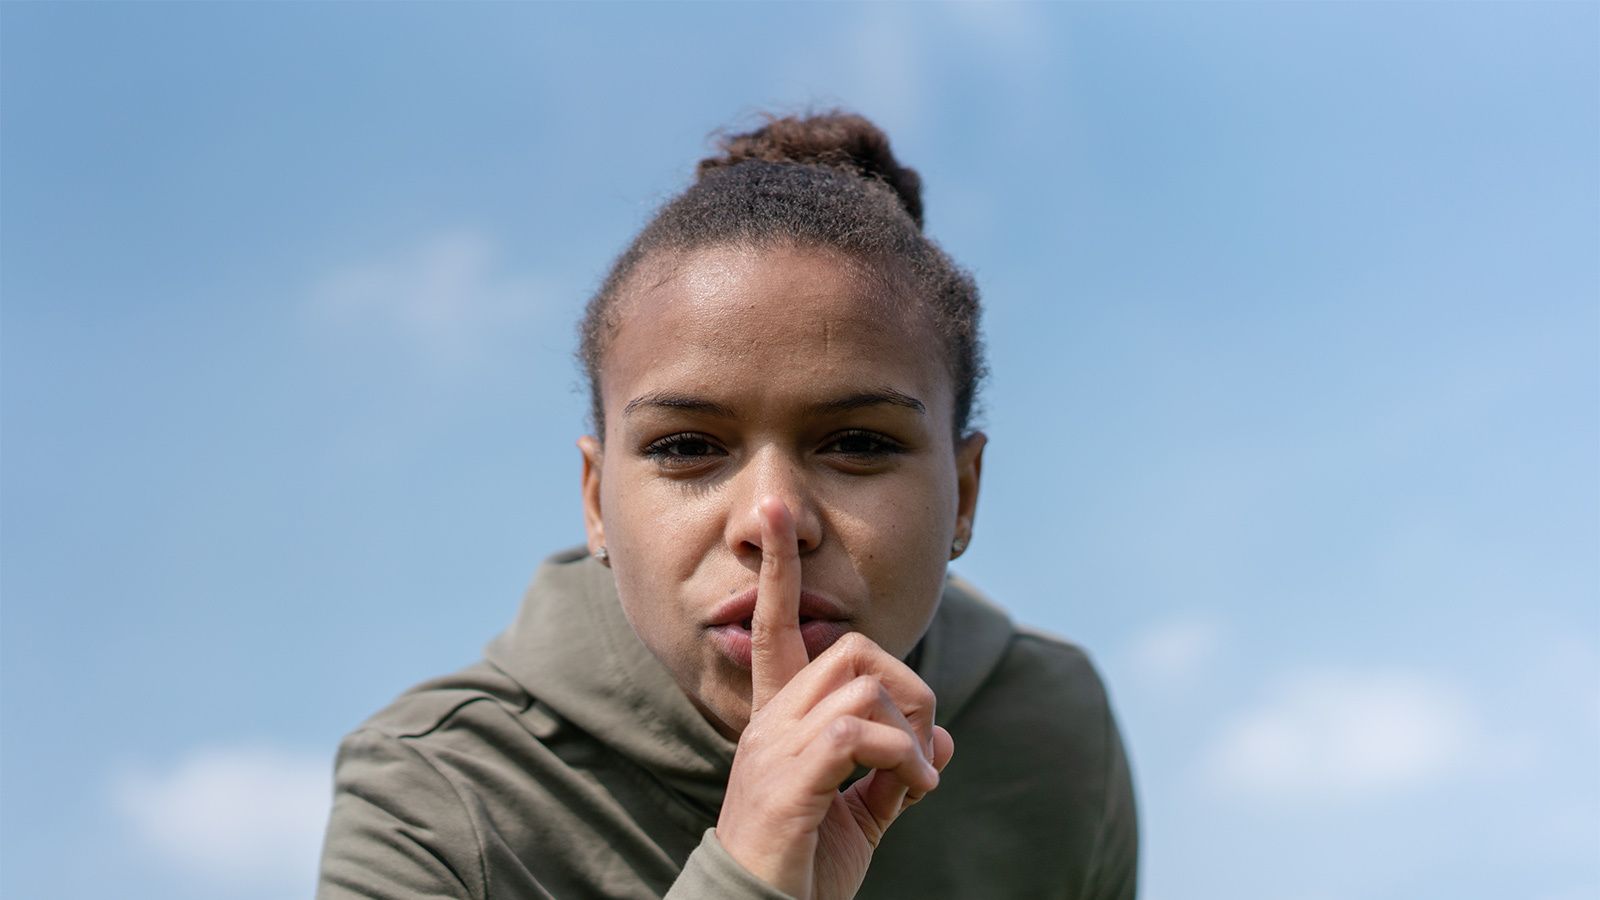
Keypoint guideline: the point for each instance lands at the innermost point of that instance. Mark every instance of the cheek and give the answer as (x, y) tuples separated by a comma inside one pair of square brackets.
[(657, 538), (654, 607), (914, 513), (899, 538), (661, 525)]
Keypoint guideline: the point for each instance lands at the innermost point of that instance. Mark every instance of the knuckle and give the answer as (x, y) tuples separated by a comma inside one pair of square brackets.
[(855, 645), (841, 654), (865, 690), (845, 730)]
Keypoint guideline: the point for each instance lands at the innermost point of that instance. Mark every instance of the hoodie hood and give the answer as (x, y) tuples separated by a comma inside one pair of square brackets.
[(574, 652)]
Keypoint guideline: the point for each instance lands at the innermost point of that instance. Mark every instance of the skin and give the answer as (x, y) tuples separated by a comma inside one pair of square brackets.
[(732, 460)]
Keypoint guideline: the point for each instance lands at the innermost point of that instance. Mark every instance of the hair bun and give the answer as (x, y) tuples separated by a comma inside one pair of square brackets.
[(835, 139)]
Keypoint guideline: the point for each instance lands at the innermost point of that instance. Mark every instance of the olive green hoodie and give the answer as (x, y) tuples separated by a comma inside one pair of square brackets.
[(568, 764)]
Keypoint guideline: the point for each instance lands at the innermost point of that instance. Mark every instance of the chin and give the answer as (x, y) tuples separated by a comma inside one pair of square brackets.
[(727, 713)]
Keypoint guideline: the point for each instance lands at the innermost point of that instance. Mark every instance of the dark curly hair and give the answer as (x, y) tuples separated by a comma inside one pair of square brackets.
[(825, 180)]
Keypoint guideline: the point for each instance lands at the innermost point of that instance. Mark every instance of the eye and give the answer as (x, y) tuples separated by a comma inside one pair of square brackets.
[(682, 451), (862, 445)]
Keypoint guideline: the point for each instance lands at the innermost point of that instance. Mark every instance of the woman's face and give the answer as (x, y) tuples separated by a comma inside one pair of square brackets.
[(737, 373)]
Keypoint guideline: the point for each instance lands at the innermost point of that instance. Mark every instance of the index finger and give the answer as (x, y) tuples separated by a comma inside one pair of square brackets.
[(777, 650)]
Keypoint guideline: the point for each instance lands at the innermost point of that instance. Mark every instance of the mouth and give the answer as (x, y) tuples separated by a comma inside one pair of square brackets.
[(822, 623)]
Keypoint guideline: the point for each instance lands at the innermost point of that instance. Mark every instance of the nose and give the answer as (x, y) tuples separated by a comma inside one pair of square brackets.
[(771, 472)]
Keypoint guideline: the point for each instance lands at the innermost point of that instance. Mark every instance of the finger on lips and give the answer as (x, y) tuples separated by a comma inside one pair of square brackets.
[(856, 703), (777, 649)]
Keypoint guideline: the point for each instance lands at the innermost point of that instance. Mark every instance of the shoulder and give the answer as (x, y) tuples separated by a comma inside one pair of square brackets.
[(476, 692), (439, 741), (428, 731), (988, 665), (1039, 773), (1048, 691), (1020, 694), (1045, 697), (1055, 671), (404, 821)]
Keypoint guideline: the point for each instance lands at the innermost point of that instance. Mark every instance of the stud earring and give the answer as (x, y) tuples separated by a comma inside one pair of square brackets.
[(601, 555), (958, 547)]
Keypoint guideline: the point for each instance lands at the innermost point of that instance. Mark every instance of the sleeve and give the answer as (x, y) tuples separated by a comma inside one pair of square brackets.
[(398, 828), (1114, 868), (712, 874)]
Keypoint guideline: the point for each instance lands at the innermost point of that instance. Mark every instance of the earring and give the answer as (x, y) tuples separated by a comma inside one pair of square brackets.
[(601, 555), (958, 547)]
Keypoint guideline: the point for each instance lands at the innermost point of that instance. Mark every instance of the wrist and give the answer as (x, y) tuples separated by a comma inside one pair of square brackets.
[(782, 863)]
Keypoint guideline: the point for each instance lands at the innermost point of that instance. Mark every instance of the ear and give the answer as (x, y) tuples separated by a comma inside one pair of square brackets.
[(593, 523), (969, 469)]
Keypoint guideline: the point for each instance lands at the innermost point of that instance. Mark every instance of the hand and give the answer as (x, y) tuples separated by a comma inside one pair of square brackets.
[(811, 723)]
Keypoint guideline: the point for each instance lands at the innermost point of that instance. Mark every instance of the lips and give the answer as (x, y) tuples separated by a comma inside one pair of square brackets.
[(822, 623)]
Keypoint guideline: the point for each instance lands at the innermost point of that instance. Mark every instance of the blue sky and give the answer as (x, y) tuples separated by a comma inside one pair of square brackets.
[(1293, 313)]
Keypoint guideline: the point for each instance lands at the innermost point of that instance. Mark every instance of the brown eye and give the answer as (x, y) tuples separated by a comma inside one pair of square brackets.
[(862, 444), (682, 450)]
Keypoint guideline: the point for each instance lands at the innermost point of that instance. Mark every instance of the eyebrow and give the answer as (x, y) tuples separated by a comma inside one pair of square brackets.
[(691, 403), (682, 402), (872, 398)]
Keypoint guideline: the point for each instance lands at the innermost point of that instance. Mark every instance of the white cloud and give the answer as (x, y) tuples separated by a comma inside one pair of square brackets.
[(1175, 651), (1333, 736), (447, 294), (246, 817)]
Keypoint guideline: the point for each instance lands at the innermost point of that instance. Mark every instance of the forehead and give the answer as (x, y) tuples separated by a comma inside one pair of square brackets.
[(769, 322)]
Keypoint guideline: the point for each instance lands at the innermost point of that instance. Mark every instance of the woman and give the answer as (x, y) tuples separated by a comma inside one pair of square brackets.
[(755, 680)]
